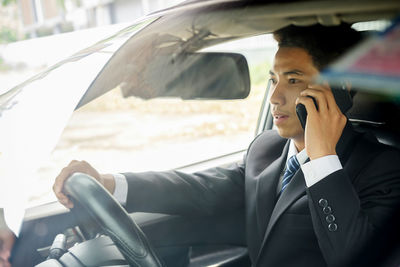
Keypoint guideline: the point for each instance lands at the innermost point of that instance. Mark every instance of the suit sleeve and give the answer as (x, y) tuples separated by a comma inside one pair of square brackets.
[(207, 192), (350, 212)]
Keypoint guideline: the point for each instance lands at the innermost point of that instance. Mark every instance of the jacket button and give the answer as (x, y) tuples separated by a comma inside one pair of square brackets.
[(332, 227), (327, 210), (330, 218), (323, 202)]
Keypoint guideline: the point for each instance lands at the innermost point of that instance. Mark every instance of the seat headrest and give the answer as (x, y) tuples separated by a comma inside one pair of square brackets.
[(377, 114)]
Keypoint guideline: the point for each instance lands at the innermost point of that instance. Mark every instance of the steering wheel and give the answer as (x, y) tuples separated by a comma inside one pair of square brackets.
[(112, 218)]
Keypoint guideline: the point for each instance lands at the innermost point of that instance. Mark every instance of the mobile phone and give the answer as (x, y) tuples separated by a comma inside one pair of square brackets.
[(342, 98)]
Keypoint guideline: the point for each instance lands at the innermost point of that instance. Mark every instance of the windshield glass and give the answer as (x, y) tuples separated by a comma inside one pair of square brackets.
[(117, 134), (33, 115)]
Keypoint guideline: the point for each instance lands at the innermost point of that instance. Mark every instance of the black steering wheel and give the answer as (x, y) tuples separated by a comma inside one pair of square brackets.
[(112, 218)]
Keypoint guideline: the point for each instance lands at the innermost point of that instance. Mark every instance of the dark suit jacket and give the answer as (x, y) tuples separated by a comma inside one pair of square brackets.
[(329, 223)]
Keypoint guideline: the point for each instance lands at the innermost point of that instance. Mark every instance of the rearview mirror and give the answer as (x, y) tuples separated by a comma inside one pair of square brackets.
[(193, 76)]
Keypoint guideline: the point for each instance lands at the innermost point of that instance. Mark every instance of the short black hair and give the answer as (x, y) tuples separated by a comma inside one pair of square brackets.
[(323, 43)]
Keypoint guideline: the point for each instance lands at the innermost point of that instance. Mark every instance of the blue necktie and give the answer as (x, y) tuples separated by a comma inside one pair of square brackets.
[(292, 166)]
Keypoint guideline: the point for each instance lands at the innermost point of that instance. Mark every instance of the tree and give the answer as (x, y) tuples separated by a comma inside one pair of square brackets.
[(7, 2)]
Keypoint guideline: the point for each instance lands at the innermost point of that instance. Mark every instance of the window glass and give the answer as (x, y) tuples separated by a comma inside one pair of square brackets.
[(117, 134)]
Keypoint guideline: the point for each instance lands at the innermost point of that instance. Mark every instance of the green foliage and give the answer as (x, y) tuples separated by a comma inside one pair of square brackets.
[(7, 2), (7, 35)]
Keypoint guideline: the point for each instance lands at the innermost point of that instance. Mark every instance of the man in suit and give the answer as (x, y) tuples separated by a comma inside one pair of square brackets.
[(314, 197)]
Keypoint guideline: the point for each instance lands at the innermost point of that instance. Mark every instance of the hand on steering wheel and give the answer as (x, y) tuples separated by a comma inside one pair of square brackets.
[(112, 219)]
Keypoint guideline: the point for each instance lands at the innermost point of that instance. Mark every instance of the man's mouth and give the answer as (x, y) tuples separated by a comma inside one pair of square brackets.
[(279, 118)]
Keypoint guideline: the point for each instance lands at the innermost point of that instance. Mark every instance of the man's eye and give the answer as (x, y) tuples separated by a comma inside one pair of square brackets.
[(293, 81), (273, 81)]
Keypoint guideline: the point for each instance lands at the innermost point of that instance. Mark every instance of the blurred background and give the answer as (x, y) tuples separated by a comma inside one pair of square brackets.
[(37, 33)]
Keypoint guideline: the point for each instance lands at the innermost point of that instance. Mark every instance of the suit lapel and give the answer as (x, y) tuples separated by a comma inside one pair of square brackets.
[(266, 189), (295, 189)]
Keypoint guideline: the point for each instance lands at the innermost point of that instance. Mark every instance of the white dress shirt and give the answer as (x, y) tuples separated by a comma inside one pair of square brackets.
[(317, 169), (121, 188), (314, 171)]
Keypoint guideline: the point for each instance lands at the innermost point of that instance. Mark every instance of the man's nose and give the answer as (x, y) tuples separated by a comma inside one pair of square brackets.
[(277, 96)]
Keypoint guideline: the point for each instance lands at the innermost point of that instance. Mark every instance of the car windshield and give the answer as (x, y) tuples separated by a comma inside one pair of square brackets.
[(119, 134), (35, 112)]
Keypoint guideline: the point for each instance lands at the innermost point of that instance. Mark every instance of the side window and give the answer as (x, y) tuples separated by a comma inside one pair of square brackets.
[(117, 134)]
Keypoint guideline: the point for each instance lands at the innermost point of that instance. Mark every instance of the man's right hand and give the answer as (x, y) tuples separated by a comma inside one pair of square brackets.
[(107, 180)]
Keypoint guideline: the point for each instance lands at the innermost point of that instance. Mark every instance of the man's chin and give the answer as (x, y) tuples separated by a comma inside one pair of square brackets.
[(288, 133), (283, 132), (283, 135)]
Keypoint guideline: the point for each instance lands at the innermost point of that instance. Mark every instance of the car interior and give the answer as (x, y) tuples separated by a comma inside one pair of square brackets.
[(177, 240), (377, 114)]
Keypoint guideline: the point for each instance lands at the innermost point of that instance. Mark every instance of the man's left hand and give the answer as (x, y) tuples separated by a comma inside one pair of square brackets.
[(7, 239), (325, 125)]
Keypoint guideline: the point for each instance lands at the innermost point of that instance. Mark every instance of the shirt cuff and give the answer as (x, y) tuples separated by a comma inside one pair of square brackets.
[(121, 188), (316, 170)]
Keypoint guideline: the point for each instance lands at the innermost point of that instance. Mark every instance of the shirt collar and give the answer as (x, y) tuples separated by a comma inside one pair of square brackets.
[(301, 156)]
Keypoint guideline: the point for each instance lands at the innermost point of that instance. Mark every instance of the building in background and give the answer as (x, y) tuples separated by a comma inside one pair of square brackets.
[(46, 17)]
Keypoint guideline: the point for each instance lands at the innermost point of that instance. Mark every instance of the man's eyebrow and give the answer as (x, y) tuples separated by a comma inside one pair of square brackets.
[(296, 72), (290, 72)]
